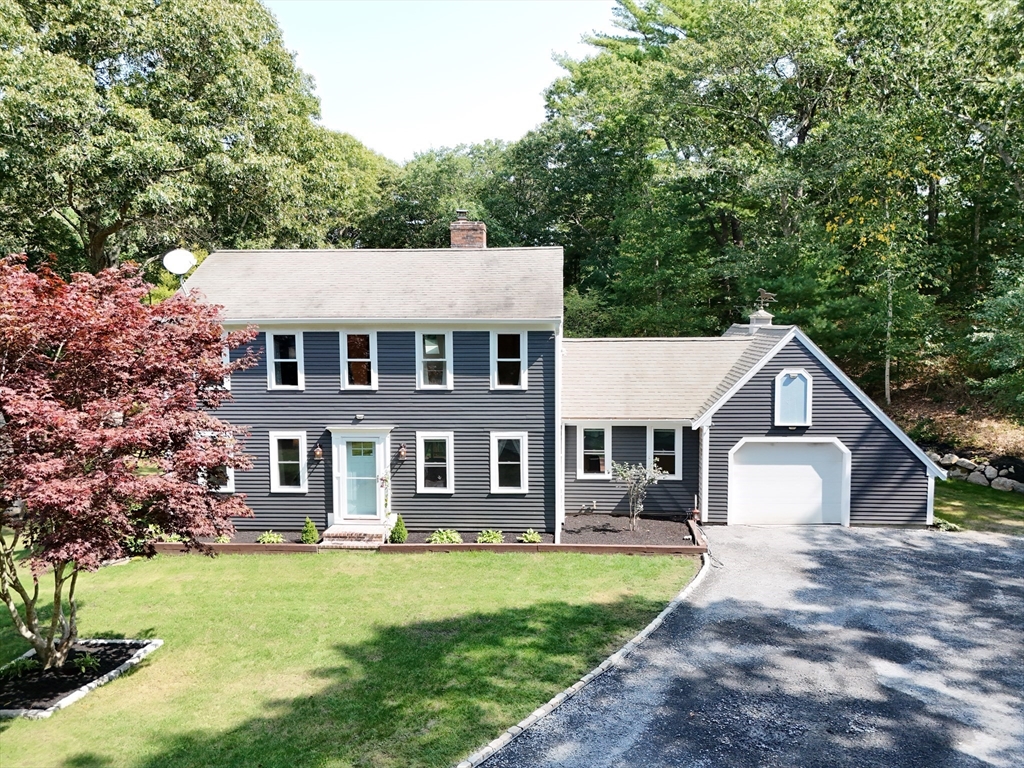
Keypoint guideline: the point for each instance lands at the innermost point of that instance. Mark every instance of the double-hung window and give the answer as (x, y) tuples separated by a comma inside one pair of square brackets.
[(359, 360), (285, 370), (220, 480), (508, 360), (435, 462), (434, 360), (593, 450), (665, 450), (288, 462), (793, 398), (509, 463)]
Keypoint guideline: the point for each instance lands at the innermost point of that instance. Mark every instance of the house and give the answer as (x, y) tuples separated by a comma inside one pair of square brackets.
[(437, 384)]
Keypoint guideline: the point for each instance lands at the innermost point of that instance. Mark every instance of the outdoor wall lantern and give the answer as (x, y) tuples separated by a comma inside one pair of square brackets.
[(402, 452), (318, 453)]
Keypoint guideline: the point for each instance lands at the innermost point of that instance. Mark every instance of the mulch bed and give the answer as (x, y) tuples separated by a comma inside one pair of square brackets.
[(420, 537), (36, 689), (249, 537), (614, 529)]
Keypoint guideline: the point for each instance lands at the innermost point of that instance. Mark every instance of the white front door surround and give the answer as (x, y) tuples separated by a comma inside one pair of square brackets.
[(789, 481), (360, 458)]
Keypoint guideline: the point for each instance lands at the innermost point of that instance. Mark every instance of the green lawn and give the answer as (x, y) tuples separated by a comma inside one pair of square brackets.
[(337, 659), (978, 508)]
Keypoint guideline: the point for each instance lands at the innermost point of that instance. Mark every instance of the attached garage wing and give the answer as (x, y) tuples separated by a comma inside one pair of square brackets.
[(794, 481)]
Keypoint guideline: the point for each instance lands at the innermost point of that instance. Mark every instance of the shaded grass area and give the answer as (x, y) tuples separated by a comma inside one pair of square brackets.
[(978, 508), (337, 659)]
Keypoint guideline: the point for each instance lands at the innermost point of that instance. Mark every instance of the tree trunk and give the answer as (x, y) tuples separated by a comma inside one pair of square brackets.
[(888, 334)]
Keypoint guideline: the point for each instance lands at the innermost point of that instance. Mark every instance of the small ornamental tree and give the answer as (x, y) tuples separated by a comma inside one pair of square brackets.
[(107, 433), (638, 479)]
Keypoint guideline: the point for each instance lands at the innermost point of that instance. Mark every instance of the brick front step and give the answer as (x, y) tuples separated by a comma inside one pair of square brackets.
[(353, 537)]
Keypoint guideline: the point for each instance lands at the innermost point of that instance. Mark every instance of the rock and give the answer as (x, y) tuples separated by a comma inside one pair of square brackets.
[(958, 473), (949, 460), (991, 473), (978, 478), (1003, 473), (933, 456), (1018, 487), (966, 464), (1002, 484)]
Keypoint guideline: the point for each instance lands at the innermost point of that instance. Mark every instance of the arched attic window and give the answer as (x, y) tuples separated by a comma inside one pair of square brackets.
[(793, 398)]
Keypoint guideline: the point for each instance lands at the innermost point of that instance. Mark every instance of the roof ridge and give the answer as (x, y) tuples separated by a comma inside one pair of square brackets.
[(387, 250), (658, 338)]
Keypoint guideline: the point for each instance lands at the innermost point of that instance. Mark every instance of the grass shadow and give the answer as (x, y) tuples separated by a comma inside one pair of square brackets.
[(422, 694)]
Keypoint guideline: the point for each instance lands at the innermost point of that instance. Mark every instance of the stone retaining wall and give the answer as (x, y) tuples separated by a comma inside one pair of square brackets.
[(1002, 476)]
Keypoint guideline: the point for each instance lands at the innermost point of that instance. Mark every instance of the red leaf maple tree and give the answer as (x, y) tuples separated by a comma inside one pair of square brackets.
[(107, 432)]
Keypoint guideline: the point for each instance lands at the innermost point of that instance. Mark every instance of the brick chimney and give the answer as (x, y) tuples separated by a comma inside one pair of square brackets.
[(466, 233)]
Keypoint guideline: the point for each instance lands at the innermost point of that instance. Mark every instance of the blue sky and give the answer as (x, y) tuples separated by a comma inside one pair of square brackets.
[(404, 76)]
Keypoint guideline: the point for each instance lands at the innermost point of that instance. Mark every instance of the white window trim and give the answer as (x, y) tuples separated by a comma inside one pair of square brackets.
[(524, 456), (225, 358), (449, 353), (271, 383), (229, 486), (678, 429), (275, 486), (523, 364), (778, 399), (343, 342), (449, 438), (607, 427)]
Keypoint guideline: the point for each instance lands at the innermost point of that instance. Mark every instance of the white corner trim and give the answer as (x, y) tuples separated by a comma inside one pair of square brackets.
[(607, 427), (343, 341), (844, 510), (933, 469), (449, 438), (524, 365), (677, 429), (705, 470), (299, 356), (809, 412), (706, 416), (524, 461), (275, 485), (930, 519), (40, 714), (559, 441), (449, 352), (614, 660)]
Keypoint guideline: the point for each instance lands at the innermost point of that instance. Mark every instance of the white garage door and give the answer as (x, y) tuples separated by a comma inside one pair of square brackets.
[(786, 483)]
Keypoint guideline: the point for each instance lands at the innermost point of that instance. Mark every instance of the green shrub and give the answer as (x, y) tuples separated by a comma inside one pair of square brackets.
[(85, 663), (444, 536), (19, 667), (399, 533), (490, 537), (310, 535), (222, 539), (269, 537), (529, 537), (946, 525)]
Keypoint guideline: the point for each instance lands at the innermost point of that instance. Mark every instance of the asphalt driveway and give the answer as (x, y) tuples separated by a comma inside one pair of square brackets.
[(816, 647)]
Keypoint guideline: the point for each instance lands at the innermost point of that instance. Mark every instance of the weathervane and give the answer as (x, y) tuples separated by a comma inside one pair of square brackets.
[(763, 297)]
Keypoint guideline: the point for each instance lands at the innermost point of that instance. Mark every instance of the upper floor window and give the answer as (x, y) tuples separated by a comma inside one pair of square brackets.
[(664, 450), (288, 462), (219, 479), (285, 367), (793, 398), (435, 460), (359, 360), (508, 360), (434, 360), (509, 467), (593, 450)]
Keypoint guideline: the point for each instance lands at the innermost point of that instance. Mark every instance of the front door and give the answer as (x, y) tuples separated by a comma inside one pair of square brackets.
[(358, 468)]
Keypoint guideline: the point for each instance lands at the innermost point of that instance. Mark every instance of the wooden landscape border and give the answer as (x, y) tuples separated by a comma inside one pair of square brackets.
[(174, 548)]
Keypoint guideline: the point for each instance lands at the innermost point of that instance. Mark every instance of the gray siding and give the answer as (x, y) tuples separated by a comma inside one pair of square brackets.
[(629, 444), (471, 411), (889, 485)]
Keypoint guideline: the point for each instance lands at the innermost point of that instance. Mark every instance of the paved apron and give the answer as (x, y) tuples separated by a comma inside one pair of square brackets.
[(816, 646)]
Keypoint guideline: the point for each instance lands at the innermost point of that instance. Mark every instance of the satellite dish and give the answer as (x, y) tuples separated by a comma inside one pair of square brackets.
[(179, 261)]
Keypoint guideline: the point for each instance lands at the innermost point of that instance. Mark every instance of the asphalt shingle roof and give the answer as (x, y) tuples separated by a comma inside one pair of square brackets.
[(364, 284)]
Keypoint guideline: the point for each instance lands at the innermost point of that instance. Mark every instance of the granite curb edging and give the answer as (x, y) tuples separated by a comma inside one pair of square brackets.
[(75, 695), (491, 747)]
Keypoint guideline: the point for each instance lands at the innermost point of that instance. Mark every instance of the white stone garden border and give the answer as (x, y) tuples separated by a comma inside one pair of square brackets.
[(75, 695), (615, 659)]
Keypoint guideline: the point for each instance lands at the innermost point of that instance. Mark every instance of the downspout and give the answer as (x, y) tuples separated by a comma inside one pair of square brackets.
[(705, 473), (559, 439)]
